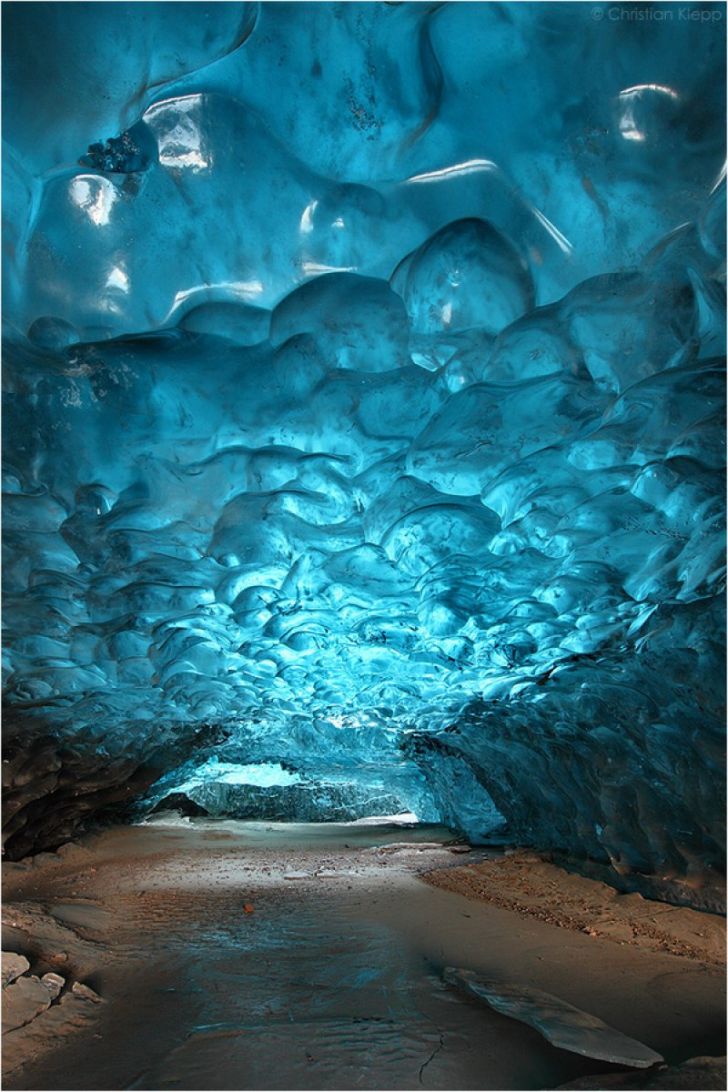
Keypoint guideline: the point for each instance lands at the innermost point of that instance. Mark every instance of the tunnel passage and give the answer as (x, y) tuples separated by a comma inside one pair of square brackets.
[(364, 438)]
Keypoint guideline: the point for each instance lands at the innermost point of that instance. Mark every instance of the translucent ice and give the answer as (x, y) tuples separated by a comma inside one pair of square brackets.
[(364, 417), (467, 275), (561, 1023)]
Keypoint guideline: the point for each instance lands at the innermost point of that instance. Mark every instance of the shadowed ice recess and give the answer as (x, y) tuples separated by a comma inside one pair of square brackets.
[(364, 419)]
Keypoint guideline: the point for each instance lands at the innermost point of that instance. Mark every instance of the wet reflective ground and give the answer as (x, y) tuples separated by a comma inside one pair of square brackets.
[(329, 980)]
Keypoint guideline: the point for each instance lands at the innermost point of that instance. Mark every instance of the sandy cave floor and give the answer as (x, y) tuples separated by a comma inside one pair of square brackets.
[(279, 956)]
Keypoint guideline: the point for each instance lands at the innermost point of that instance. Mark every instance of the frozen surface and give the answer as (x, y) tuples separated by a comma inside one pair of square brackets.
[(229, 954), (561, 1023), (364, 413)]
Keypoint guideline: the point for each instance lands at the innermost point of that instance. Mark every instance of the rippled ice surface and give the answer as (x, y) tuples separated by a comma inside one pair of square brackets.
[(364, 407)]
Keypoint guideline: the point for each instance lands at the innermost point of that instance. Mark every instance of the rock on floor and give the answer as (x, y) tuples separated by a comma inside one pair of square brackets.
[(25, 999), (13, 966), (699, 1074)]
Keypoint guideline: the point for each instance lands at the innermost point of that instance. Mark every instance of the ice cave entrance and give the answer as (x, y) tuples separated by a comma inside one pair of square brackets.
[(277, 791)]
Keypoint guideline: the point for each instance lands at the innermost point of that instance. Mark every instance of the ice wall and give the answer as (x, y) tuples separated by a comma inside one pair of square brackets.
[(364, 411)]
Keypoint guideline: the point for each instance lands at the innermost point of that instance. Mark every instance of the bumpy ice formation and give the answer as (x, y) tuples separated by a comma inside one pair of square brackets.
[(364, 418)]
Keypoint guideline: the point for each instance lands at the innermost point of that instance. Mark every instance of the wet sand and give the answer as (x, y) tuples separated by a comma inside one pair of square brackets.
[(279, 956), (523, 882)]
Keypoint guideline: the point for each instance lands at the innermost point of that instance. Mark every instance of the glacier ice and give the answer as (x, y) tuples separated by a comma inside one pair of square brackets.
[(562, 1024), (465, 276), (364, 396)]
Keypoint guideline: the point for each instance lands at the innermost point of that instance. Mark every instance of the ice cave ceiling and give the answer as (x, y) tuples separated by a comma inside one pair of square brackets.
[(364, 417)]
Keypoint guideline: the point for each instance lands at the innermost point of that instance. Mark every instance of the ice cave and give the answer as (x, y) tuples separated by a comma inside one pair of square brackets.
[(364, 501)]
